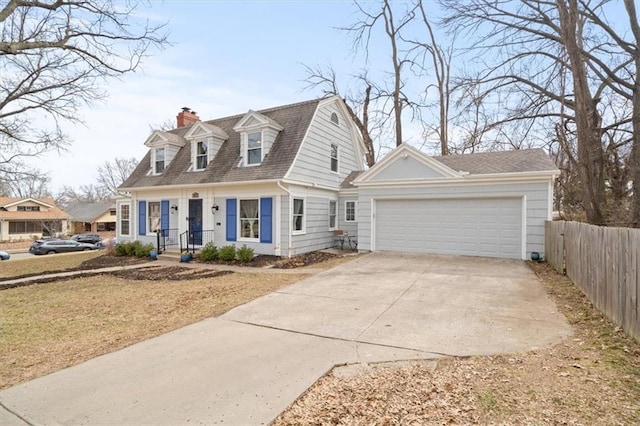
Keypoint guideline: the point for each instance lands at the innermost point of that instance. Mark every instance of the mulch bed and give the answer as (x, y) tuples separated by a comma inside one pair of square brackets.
[(109, 260), (264, 261), (170, 273)]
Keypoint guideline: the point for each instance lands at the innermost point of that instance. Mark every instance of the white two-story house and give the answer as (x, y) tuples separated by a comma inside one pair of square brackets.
[(269, 179)]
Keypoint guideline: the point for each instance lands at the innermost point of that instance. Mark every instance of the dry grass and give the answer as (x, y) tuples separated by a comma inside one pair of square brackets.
[(44, 328), (46, 263), (592, 378)]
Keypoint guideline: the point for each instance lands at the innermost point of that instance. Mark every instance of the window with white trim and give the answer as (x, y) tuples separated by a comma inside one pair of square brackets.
[(254, 148), (159, 161), (333, 214), (153, 216), (298, 215), (334, 119), (125, 211), (334, 157), (249, 219), (202, 155), (350, 211)]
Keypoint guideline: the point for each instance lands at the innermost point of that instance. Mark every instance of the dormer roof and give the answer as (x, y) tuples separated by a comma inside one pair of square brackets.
[(201, 129), (254, 120), (160, 138)]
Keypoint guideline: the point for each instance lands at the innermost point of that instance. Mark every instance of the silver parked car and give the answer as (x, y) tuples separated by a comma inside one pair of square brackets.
[(59, 246), (4, 255)]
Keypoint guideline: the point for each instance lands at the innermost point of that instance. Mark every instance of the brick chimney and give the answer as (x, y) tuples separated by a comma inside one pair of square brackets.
[(186, 117)]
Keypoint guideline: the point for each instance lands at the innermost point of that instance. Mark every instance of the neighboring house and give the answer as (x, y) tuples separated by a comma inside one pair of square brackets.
[(26, 218), (285, 180), (91, 217)]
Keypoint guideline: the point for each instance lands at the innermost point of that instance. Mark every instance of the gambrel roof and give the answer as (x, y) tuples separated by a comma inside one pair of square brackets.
[(294, 120)]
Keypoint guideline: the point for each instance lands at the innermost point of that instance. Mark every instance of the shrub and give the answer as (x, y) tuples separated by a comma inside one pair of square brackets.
[(209, 252), (143, 250), (134, 248), (244, 254), (227, 253), (121, 249)]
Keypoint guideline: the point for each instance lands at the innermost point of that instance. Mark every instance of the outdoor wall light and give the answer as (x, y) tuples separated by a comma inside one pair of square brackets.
[(214, 209), (174, 208)]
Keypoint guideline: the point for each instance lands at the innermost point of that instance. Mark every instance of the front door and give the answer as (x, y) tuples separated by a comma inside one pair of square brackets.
[(195, 222)]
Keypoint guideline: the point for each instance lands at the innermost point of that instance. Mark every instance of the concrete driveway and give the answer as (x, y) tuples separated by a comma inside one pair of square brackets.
[(250, 364), (449, 305)]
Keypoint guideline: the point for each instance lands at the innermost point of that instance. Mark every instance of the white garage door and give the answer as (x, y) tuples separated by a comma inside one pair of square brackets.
[(477, 227)]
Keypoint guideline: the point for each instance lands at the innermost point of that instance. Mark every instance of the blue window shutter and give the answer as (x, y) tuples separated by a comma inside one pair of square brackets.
[(231, 219), (142, 217), (164, 214), (265, 220)]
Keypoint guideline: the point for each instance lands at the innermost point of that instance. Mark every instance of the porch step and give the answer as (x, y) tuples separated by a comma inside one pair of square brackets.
[(170, 256)]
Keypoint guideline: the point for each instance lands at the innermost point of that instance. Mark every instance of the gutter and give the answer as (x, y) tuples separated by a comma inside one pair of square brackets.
[(290, 236)]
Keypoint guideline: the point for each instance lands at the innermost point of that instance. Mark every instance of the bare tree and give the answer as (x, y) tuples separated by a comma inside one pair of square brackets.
[(393, 27), (112, 173), (84, 194), (554, 61), (36, 185), (55, 56), (439, 59)]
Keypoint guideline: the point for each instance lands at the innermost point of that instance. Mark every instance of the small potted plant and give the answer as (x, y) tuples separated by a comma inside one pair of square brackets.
[(185, 257)]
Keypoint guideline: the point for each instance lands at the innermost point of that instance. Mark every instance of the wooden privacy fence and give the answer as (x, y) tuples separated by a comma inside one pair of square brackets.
[(604, 263)]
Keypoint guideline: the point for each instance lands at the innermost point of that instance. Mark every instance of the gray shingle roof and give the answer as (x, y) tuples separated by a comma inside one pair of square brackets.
[(295, 119), (87, 212), (347, 183), (521, 160)]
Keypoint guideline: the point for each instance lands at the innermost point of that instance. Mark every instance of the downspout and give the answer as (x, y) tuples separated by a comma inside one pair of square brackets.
[(290, 220)]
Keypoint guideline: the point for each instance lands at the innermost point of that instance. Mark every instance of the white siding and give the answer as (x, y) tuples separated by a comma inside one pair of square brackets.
[(317, 235), (313, 163), (350, 227)]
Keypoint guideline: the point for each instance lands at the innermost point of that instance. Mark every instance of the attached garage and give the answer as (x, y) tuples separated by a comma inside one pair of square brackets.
[(490, 227), (485, 204)]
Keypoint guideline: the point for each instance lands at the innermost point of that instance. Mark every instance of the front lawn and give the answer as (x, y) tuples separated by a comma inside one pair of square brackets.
[(45, 263), (47, 327)]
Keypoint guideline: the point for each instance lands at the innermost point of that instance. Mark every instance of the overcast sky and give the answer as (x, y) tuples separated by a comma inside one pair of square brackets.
[(226, 57)]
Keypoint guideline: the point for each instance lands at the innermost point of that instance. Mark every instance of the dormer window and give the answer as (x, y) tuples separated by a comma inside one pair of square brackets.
[(254, 148), (202, 155), (159, 163)]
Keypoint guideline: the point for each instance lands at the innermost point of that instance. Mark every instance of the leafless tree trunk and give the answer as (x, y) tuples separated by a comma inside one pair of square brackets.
[(440, 59), (634, 161), (588, 120), (361, 31)]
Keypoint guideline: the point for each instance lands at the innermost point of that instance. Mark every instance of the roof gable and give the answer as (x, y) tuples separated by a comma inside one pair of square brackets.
[(159, 138), (201, 129), (10, 202), (407, 163), (254, 120)]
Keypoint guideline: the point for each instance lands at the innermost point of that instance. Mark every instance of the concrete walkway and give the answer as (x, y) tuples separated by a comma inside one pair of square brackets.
[(247, 366)]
